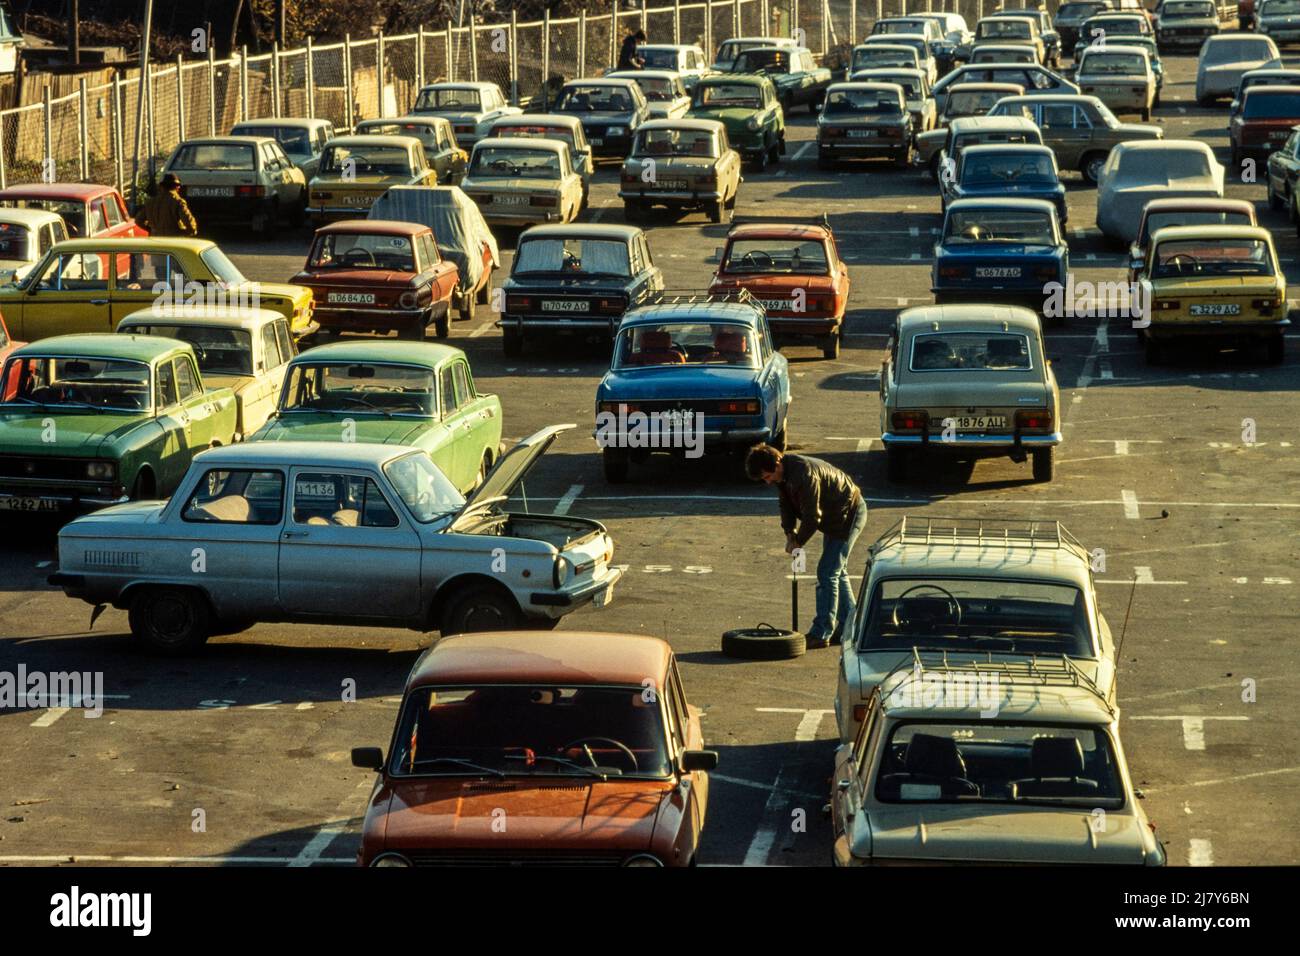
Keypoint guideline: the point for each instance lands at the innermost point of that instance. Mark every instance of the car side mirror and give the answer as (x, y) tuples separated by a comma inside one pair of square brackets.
[(704, 760), (368, 758), (1136, 263)]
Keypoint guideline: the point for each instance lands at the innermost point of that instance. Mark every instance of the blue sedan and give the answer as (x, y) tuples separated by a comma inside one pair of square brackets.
[(1025, 170), (999, 250), (694, 375)]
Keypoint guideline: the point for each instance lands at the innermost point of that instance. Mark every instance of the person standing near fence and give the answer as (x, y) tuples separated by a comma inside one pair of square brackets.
[(627, 55), (166, 213)]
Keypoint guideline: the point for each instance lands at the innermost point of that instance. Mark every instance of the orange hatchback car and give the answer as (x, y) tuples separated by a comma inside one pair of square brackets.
[(520, 748)]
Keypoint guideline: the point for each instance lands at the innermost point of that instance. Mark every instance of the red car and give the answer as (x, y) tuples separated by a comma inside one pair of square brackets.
[(795, 272), (377, 275), (7, 345), (79, 204), (1264, 122), (526, 748), (1245, 14)]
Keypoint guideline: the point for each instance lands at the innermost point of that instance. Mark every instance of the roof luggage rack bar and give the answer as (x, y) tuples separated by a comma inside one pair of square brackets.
[(981, 532), (704, 297), (750, 220)]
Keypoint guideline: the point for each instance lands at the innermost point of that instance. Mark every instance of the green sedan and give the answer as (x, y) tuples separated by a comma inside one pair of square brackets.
[(391, 393), (93, 420), (747, 105)]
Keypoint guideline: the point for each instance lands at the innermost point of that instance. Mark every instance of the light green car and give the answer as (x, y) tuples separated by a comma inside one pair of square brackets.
[(391, 393)]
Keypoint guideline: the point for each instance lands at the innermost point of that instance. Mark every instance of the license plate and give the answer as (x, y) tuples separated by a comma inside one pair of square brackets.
[(575, 305), (357, 298), (1109, 90), (596, 140), (1279, 134), (314, 489), (776, 305), (602, 598), (502, 199), (861, 133), (201, 191), (675, 184), (28, 504), (997, 272), (979, 423), (364, 199), (1216, 308)]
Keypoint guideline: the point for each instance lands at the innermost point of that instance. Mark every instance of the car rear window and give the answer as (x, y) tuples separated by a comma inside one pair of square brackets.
[(460, 101), (15, 242), (1160, 220), (1118, 63), (213, 157), (1007, 168), (686, 343), (874, 102), (584, 256), (1233, 50), (220, 351), (294, 140), (514, 163), (350, 250), (676, 142), (1160, 167), (776, 257), (1270, 104), (970, 351), (999, 225), (1195, 258), (589, 99), (366, 161)]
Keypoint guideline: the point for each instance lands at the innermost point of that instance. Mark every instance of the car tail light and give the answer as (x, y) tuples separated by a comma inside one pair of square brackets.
[(629, 178), (831, 132), (322, 195), (483, 199), (615, 407), (1045, 272), (253, 191), (749, 407), (518, 303), (910, 421), (1165, 304), (859, 712), (1266, 305), (615, 306), (1034, 418), (1139, 89), (543, 201), (892, 132), (952, 272)]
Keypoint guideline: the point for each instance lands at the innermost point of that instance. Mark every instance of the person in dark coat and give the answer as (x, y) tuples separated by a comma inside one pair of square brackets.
[(817, 496), (627, 56), (166, 213)]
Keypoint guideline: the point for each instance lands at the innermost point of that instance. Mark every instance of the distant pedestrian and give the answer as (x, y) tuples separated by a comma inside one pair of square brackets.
[(817, 496), (628, 59), (166, 213)]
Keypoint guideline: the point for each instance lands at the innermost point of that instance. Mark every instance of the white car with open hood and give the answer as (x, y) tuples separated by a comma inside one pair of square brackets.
[(337, 533)]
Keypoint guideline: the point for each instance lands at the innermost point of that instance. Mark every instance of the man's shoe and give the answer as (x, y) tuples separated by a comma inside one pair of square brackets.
[(816, 642)]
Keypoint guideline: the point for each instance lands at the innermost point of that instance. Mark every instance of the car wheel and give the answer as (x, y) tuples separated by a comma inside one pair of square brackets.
[(466, 307), (633, 211), (1044, 464), (484, 292), (414, 330), (1275, 349), (170, 620), (1091, 167), (715, 211), (787, 105), (484, 466), (512, 342), (298, 214), (778, 148), (779, 440), (615, 461), (831, 345), (896, 463), (270, 222), (825, 162), (763, 643), (1236, 158), (1206, 101), (1156, 101), (904, 159), (1146, 114), (1151, 350), (144, 489), (1274, 201), (479, 608), (765, 153), (441, 326)]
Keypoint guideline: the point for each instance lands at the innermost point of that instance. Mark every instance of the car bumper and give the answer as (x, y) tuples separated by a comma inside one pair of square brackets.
[(521, 215), (675, 197), (1184, 39), (356, 319), (1245, 329), (579, 322), (962, 442), (56, 499), (555, 604), (712, 437), (1127, 100), (783, 327), (225, 209), (611, 145), (1031, 298)]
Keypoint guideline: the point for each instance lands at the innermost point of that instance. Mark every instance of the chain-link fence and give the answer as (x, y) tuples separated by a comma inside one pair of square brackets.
[(105, 132)]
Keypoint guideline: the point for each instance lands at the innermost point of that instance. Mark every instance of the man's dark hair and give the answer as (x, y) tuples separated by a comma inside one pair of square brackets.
[(639, 35), (761, 460)]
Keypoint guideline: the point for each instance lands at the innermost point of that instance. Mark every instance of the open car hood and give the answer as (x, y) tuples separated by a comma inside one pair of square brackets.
[(510, 470)]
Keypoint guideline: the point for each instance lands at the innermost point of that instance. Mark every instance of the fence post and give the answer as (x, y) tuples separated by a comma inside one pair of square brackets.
[(275, 80), (348, 118), (212, 89), (180, 98), (708, 28), (473, 50), (613, 34), (379, 74), (514, 58), (419, 57), (83, 128), (826, 26), (310, 78), (582, 42), (149, 118), (645, 16), (451, 59), (115, 134), (48, 114), (735, 18), (546, 60), (4, 173), (243, 83), (880, 13)]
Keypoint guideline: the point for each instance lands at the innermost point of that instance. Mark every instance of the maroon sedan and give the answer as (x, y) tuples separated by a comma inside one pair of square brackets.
[(1264, 121), (90, 211), (376, 275)]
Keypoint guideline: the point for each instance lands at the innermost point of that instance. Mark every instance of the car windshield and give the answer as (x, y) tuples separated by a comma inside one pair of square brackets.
[(978, 614), (676, 142), (59, 382), (873, 102), (561, 133), (534, 730), (348, 161), (657, 88), (1076, 11), (1268, 104), (686, 343), (731, 49), (767, 61), (294, 140), (972, 102), (865, 58), (220, 350), (1159, 168), (1160, 220), (1125, 63), (983, 170), (971, 351), (573, 256), (514, 162), (901, 26), (351, 250), (15, 242), (1026, 227), (1273, 8), (988, 762), (595, 98), (452, 101), (1003, 28), (359, 388), (213, 157), (718, 95), (423, 488), (1198, 8), (1212, 257), (1003, 55), (73, 211), (776, 257), (223, 270), (422, 131), (1245, 50), (659, 59), (911, 84)]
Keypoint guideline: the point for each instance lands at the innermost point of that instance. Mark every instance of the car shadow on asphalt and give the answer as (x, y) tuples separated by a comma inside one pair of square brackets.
[(288, 846)]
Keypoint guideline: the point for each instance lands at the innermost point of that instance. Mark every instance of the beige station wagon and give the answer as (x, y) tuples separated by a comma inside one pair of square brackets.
[(354, 171), (1007, 30), (1119, 76), (681, 164), (524, 182), (435, 133)]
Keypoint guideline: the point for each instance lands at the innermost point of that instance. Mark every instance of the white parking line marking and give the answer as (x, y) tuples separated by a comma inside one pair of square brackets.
[(755, 785), (1143, 575), (765, 837), (1121, 447), (43, 564), (305, 705), (1200, 853), (1193, 727), (564, 504), (864, 444), (903, 302), (1106, 372), (1103, 338), (914, 231), (915, 256), (1130, 500), (482, 330), (319, 843), (803, 150), (50, 716), (98, 858), (1211, 783)]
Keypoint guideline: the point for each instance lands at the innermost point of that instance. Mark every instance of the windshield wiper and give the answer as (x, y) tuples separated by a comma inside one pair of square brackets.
[(460, 762), (367, 403), (562, 761), (96, 408)]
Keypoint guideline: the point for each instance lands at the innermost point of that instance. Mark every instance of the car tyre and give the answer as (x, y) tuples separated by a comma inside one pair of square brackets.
[(777, 151), (1044, 460), (616, 464), (1091, 166), (481, 607), (1205, 101), (825, 162), (465, 308), (171, 621), (763, 643), (1275, 349), (270, 222), (764, 154), (1274, 200), (1146, 114), (896, 463), (512, 342), (414, 330), (831, 345), (904, 159), (1152, 350), (484, 292), (779, 440), (716, 211), (298, 214), (1236, 158), (633, 210), (441, 326)]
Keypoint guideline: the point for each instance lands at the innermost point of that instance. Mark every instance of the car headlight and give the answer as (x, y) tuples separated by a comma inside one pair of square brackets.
[(560, 573), (751, 123), (390, 859), (643, 859), (103, 470), (616, 130)]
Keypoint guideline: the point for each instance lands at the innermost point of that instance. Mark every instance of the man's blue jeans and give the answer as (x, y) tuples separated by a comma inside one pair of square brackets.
[(835, 602)]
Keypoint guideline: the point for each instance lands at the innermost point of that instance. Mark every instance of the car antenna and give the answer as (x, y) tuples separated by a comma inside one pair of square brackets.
[(1124, 630)]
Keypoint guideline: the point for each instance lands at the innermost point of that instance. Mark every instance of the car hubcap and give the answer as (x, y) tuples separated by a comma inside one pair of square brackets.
[(484, 617), (171, 619)]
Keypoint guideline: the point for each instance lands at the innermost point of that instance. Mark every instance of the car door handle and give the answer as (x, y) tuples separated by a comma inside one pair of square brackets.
[(295, 534), (99, 302)]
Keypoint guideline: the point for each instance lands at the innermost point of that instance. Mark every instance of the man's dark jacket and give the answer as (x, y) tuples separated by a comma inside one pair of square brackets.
[(627, 59), (818, 496)]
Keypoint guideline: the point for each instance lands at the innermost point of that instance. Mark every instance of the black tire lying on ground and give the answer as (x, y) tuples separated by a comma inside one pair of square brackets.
[(763, 643)]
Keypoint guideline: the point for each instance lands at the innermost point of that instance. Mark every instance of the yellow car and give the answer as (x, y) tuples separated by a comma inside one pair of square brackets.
[(354, 171), (91, 285), (1218, 282)]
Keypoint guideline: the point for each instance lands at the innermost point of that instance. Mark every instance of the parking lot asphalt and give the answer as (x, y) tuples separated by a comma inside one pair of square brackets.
[(251, 738)]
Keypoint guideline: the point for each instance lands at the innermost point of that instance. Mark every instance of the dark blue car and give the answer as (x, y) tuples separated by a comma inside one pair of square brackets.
[(999, 250), (689, 376), (1023, 170)]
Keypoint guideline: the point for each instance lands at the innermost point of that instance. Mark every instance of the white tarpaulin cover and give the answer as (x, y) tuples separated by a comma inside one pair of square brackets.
[(457, 224)]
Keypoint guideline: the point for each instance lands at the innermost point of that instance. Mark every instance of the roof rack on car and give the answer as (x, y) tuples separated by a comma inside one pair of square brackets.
[(751, 220), (1029, 671), (980, 532), (704, 297)]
